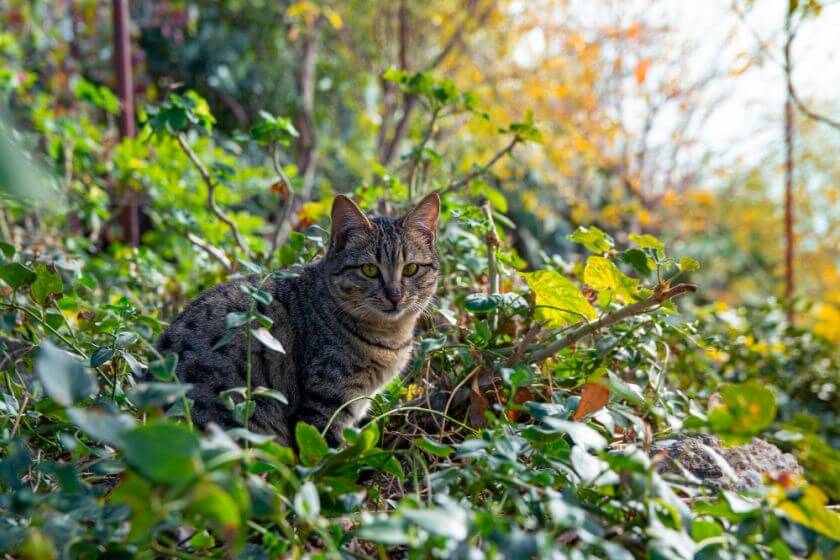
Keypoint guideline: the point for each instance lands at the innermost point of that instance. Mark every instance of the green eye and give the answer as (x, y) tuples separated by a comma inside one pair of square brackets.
[(410, 269), (370, 270)]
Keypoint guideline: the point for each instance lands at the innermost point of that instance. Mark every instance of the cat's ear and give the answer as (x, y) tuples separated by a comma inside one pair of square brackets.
[(424, 216), (347, 219)]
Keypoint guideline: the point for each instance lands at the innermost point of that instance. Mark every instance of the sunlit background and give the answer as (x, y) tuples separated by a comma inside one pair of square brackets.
[(662, 116)]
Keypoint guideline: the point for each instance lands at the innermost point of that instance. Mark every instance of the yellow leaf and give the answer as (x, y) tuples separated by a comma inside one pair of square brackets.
[(604, 276), (558, 301)]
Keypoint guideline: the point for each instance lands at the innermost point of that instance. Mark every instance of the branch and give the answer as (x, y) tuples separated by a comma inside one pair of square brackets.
[(804, 108), (458, 183), (491, 239), (586, 329), (214, 252), (211, 193), (280, 235), (411, 100)]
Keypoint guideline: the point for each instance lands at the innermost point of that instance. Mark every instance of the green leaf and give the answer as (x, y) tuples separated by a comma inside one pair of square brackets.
[(16, 275), (603, 276), (164, 369), (311, 444), (151, 394), (65, 378), (163, 452), (558, 301), (637, 259), (46, 283), (213, 504), (592, 238), (264, 336), (687, 264), (450, 523), (101, 424), (391, 530), (744, 410), (307, 504), (101, 356), (581, 434), (647, 241), (481, 303), (271, 394), (433, 447)]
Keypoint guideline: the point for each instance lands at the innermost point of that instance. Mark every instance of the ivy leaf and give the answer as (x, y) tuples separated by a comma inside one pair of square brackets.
[(637, 259), (146, 395), (101, 356), (164, 369), (16, 275), (101, 424), (307, 504), (65, 378), (603, 276), (647, 241), (46, 283), (687, 264), (558, 301), (163, 452), (592, 238), (311, 444), (481, 303), (263, 335), (433, 448)]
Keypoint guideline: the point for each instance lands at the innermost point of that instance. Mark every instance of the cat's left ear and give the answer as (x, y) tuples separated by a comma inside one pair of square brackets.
[(424, 216)]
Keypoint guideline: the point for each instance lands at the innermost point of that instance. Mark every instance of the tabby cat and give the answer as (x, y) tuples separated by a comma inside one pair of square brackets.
[(346, 323)]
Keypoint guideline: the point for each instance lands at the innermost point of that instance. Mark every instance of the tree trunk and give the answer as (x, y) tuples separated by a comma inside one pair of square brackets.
[(307, 160), (130, 215)]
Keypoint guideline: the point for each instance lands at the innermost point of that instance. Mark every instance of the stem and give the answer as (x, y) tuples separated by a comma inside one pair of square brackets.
[(214, 252), (659, 297), (491, 239), (420, 148), (211, 193), (280, 236), (458, 183)]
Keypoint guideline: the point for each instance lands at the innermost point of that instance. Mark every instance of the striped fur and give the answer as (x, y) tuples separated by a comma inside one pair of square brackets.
[(345, 334)]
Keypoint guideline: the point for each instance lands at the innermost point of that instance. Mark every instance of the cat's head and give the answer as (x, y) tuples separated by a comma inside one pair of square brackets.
[(383, 268)]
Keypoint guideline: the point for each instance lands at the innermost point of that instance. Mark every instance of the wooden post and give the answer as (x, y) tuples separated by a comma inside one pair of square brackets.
[(130, 217)]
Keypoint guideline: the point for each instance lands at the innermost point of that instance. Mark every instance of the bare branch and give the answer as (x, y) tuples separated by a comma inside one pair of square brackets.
[(458, 183), (211, 193), (281, 234), (659, 297), (214, 252)]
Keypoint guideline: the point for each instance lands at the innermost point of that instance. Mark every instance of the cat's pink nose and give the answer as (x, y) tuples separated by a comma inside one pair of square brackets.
[(393, 295)]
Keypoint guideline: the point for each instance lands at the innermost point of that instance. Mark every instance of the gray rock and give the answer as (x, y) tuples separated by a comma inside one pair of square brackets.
[(705, 460)]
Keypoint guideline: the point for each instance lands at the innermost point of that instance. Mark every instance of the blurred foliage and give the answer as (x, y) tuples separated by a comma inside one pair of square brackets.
[(482, 446)]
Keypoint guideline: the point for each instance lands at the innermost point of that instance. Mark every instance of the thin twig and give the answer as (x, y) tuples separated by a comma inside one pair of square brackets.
[(211, 193), (491, 239), (213, 252), (659, 297), (280, 234), (458, 183)]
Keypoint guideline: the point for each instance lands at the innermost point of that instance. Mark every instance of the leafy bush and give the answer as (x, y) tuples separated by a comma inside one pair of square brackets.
[(523, 427)]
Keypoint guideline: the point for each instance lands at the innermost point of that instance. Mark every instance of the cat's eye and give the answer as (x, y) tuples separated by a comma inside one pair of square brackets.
[(410, 269), (370, 270)]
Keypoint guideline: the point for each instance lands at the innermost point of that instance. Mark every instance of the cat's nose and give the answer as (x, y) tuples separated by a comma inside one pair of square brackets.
[(394, 295)]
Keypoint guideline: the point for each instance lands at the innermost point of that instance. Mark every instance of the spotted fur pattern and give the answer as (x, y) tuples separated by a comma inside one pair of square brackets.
[(345, 334)]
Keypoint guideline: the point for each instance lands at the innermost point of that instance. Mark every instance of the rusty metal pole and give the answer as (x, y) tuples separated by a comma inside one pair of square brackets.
[(130, 217)]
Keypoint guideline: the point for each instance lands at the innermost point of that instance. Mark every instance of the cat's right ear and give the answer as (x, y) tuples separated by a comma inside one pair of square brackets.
[(347, 219)]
